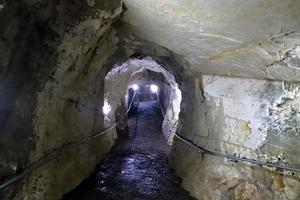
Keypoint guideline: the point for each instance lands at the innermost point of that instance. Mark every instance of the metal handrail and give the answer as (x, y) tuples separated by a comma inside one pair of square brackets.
[(60, 151), (203, 151)]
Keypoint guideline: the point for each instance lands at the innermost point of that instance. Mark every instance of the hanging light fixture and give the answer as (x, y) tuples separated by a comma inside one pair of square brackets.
[(154, 88)]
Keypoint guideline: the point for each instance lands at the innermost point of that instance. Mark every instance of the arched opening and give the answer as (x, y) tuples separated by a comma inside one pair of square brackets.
[(145, 80)]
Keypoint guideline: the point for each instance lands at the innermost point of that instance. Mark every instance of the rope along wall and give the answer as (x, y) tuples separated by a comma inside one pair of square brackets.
[(203, 151), (72, 145), (60, 151)]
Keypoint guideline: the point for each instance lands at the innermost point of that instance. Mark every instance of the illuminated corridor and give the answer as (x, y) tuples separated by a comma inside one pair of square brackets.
[(136, 168)]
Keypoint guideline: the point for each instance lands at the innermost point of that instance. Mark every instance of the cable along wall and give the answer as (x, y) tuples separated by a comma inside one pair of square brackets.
[(240, 119), (259, 118)]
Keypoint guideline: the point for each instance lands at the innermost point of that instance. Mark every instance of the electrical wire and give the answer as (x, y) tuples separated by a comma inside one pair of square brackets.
[(203, 151), (60, 151)]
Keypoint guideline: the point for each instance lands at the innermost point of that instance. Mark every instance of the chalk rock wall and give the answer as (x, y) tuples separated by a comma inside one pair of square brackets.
[(52, 58), (249, 39), (250, 118)]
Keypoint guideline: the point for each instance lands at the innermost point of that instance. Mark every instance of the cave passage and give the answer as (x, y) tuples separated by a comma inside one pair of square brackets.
[(136, 167)]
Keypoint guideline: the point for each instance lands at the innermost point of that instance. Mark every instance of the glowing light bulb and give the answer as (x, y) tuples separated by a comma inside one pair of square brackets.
[(154, 88), (106, 107), (135, 87)]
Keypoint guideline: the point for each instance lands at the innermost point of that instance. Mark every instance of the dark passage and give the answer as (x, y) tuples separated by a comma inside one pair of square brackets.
[(136, 168)]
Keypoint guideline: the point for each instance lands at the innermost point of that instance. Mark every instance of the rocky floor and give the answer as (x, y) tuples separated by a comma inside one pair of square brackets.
[(136, 168)]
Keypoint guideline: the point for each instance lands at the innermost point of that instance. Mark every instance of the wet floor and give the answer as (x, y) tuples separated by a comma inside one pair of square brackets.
[(136, 168)]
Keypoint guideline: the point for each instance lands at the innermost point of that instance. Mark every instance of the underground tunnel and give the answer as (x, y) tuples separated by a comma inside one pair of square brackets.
[(111, 99), (136, 167)]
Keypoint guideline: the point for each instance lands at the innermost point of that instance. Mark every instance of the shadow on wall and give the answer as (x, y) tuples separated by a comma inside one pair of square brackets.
[(2, 4), (122, 128)]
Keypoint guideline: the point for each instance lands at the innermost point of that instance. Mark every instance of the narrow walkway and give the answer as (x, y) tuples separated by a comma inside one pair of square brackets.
[(136, 168)]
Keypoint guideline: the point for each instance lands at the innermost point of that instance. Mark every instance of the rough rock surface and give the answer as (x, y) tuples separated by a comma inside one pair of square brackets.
[(232, 39), (51, 90), (244, 117), (246, 191)]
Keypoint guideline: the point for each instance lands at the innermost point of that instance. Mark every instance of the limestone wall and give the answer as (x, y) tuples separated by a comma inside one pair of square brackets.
[(52, 83), (244, 117), (256, 39)]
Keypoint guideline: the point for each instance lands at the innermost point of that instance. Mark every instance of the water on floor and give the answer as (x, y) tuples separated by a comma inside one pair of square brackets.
[(136, 168)]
